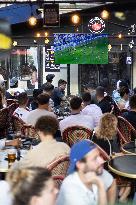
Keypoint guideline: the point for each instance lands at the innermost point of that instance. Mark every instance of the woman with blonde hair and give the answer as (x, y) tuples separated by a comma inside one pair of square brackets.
[(32, 186), (105, 134)]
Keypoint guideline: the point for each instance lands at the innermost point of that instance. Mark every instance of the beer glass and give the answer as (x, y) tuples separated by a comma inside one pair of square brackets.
[(11, 155)]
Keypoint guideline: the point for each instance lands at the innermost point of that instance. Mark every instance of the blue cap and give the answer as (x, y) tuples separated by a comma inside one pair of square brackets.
[(78, 151)]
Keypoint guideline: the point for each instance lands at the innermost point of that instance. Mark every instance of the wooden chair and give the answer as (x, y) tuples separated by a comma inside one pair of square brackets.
[(115, 110), (17, 123), (58, 180), (3, 122), (59, 169), (75, 133), (121, 138), (11, 101), (126, 129)]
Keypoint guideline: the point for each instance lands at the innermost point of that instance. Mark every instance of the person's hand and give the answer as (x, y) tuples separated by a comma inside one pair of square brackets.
[(15, 142), (92, 178), (123, 193)]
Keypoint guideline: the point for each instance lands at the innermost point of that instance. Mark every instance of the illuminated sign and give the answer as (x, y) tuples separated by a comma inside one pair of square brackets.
[(96, 25)]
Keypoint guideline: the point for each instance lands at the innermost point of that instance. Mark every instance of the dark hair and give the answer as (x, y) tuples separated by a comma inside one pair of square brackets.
[(47, 87), (123, 84), (100, 91), (47, 125), (33, 68), (132, 102), (86, 97), (61, 82), (26, 183), (36, 92), (50, 77), (22, 98), (43, 99), (123, 91), (75, 102)]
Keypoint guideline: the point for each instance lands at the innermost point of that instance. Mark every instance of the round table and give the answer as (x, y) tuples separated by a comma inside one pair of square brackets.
[(124, 166), (129, 148)]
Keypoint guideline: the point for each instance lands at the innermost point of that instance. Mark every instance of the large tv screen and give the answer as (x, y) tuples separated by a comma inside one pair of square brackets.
[(83, 48)]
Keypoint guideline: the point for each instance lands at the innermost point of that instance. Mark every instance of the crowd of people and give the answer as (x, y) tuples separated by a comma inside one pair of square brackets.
[(88, 180)]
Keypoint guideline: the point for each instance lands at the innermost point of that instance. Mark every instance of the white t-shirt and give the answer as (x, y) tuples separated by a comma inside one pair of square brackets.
[(94, 111), (21, 113), (77, 120), (73, 191), (36, 114), (5, 195)]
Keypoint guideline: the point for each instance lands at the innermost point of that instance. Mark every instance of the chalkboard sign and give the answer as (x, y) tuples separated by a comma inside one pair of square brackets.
[(50, 66)]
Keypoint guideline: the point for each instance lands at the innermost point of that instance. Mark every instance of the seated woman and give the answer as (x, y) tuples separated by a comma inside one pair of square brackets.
[(105, 134), (32, 186)]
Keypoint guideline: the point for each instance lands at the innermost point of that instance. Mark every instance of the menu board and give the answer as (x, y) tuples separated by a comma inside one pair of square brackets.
[(51, 15), (50, 66)]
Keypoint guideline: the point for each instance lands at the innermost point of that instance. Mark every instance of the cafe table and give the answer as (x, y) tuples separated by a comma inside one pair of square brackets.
[(124, 165), (129, 148)]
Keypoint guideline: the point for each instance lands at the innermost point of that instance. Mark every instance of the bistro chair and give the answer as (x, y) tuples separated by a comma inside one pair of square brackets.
[(18, 123), (75, 133), (126, 129), (3, 122), (121, 138), (11, 101), (11, 109), (115, 109), (59, 169)]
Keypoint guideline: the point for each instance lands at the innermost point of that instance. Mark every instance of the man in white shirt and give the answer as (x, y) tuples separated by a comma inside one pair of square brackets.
[(42, 110), (83, 185), (76, 118), (91, 109), (22, 111)]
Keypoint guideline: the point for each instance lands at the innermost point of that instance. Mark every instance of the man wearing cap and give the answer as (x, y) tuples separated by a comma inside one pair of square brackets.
[(87, 182)]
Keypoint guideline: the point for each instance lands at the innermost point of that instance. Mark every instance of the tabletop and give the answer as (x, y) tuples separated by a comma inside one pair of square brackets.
[(124, 166)]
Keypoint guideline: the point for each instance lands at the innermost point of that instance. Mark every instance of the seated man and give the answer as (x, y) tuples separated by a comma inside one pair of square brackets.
[(130, 116), (76, 118), (48, 149), (48, 89), (91, 109), (42, 110), (87, 182), (22, 111)]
